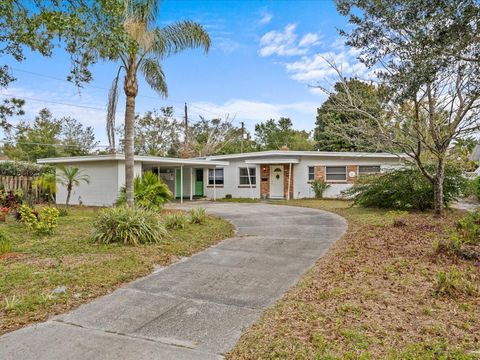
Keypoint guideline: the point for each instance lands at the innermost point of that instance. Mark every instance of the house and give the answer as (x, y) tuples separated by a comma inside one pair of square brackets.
[(279, 174)]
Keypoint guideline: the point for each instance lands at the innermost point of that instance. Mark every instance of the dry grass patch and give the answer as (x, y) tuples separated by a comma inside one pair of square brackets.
[(375, 294)]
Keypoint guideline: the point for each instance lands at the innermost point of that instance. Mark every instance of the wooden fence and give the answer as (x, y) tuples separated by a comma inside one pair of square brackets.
[(24, 183)]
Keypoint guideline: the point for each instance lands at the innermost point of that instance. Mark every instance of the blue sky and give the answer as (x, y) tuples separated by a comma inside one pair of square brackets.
[(265, 56)]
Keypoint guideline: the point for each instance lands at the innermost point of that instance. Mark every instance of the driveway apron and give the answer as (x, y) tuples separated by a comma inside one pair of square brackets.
[(195, 308)]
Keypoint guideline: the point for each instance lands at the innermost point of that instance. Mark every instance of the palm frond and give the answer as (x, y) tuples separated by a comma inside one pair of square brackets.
[(154, 75), (111, 110), (180, 36)]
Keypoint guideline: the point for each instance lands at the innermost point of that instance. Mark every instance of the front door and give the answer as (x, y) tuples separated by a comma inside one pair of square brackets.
[(198, 182), (276, 182), (178, 182)]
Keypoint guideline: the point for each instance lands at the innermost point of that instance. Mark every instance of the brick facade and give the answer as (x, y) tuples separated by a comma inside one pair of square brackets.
[(320, 174), (286, 169), (265, 181), (352, 169)]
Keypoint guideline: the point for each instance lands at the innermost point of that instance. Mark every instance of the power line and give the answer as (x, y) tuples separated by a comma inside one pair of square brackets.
[(106, 89)]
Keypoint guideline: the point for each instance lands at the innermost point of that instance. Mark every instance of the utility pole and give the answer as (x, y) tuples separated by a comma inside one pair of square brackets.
[(243, 135), (186, 125)]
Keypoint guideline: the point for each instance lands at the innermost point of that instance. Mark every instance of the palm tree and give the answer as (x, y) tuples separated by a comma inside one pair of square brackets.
[(70, 177), (47, 184), (146, 46)]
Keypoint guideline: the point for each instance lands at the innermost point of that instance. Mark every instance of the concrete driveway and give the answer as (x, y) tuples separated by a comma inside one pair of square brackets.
[(193, 309)]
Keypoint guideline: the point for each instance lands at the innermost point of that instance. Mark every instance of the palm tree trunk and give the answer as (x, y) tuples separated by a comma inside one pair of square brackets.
[(131, 89), (129, 153)]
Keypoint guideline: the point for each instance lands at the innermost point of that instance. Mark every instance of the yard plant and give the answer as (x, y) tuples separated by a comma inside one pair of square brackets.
[(319, 186), (150, 192), (128, 226)]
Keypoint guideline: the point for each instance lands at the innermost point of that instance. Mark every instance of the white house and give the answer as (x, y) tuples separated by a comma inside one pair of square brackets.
[(280, 174)]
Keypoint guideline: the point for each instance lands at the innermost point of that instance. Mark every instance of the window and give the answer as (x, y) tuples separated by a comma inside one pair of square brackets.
[(218, 176), (336, 173), (311, 173), (244, 172), (368, 169)]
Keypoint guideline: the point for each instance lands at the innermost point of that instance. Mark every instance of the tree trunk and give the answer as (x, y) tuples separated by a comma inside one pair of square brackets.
[(438, 188), (131, 89), (69, 193)]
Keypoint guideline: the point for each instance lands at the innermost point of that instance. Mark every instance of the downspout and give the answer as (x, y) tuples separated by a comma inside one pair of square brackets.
[(191, 184)]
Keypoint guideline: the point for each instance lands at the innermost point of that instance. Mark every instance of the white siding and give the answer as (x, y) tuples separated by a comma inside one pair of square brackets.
[(302, 188), (231, 180), (102, 190)]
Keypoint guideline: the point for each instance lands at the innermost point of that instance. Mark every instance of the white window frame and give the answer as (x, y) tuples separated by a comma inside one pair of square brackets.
[(360, 173), (216, 177), (308, 173), (337, 173), (253, 177)]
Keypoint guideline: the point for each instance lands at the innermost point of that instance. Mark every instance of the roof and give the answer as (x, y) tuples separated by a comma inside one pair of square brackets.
[(288, 153), (121, 157)]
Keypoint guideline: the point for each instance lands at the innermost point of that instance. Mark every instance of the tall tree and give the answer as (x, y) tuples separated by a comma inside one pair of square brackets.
[(143, 49), (328, 116), (210, 137), (426, 54), (80, 27), (273, 135), (157, 133), (48, 136)]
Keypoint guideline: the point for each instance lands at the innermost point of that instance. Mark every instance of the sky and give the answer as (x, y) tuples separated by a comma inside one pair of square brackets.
[(265, 61)]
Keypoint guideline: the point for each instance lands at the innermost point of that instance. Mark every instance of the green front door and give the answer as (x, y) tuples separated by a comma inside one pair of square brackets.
[(178, 181), (198, 182)]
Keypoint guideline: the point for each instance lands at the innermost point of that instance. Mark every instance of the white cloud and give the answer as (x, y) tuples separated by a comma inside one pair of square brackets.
[(285, 43), (226, 45), (266, 18), (252, 112), (317, 68)]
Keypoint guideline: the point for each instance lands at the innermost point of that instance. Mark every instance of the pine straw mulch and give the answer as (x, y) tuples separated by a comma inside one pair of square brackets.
[(373, 295)]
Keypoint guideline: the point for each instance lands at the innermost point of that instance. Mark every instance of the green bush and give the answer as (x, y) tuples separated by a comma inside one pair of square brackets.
[(404, 189), (319, 186), (19, 168), (128, 226), (5, 243), (473, 187), (198, 216), (150, 192), (175, 221), (43, 222), (454, 283), (468, 228)]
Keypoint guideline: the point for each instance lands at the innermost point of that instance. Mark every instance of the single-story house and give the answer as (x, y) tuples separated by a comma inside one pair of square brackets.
[(279, 174)]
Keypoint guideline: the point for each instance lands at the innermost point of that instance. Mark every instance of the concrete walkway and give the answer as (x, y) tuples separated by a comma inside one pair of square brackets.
[(193, 309)]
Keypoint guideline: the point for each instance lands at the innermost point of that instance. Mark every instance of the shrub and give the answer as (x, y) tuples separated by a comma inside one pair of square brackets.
[(128, 226), (175, 221), (404, 189), (150, 192), (11, 199), (19, 168), (198, 216), (43, 222), (468, 228), (454, 283), (319, 186), (5, 243), (473, 187)]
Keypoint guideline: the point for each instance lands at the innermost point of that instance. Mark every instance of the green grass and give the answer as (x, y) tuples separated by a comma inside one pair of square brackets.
[(69, 258)]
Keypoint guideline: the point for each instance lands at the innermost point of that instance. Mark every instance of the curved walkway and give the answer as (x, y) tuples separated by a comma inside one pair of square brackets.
[(196, 308)]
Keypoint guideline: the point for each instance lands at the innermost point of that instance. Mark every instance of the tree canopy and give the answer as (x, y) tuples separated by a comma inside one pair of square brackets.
[(273, 135)]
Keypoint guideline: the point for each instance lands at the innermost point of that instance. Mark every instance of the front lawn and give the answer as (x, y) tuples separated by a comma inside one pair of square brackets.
[(38, 270), (380, 292)]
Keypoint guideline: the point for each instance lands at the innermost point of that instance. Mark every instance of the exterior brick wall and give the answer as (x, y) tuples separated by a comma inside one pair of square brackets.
[(320, 173), (354, 169), (265, 181), (286, 169)]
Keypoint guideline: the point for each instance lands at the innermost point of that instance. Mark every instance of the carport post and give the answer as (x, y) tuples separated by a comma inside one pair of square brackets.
[(181, 184), (191, 184)]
